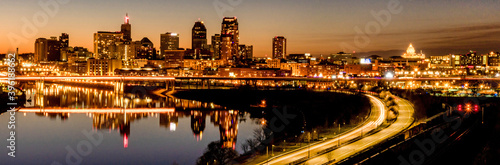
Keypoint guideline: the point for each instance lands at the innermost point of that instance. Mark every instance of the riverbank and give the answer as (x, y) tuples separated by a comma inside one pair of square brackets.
[(309, 115), (345, 108)]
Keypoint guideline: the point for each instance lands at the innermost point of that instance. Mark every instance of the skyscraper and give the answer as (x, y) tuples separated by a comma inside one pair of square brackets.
[(53, 49), (64, 39), (169, 41), (249, 52), (229, 39), (199, 36), (216, 46), (107, 45), (279, 47), (126, 29), (41, 48), (246, 52)]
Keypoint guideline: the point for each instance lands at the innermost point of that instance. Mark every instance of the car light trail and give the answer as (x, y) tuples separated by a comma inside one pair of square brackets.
[(350, 135)]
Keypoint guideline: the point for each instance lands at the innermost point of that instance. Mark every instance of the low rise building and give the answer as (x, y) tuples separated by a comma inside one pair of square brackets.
[(101, 67)]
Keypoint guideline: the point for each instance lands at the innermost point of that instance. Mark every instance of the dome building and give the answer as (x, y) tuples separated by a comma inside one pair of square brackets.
[(410, 53)]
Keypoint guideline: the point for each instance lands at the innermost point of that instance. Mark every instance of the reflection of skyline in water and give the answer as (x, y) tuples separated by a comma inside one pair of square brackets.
[(55, 95), (67, 99)]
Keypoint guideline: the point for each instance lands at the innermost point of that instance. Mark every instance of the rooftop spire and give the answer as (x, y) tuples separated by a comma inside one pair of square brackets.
[(126, 19)]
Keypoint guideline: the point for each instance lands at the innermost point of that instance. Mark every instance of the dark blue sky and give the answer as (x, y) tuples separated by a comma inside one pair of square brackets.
[(314, 26)]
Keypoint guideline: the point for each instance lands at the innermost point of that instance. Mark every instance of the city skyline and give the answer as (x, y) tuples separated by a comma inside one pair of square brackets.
[(438, 28), (250, 82)]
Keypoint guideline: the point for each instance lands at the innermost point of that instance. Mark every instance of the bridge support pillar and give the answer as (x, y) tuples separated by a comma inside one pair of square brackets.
[(170, 85)]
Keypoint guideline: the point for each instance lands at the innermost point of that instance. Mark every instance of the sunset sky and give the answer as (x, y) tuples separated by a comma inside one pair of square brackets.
[(313, 26)]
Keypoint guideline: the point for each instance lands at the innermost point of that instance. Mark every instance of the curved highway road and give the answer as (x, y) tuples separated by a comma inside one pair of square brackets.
[(403, 121), (377, 117)]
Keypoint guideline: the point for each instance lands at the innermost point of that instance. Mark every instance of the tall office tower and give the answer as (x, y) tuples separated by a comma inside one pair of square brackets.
[(246, 52), (64, 39), (108, 45), (169, 41), (41, 49), (127, 30), (279, 47), (216, 46), (242, 51), (54, 49), (199, 36), (249, 52), (229, 39)]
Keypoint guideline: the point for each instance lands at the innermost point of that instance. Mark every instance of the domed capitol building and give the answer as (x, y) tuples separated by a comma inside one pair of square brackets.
[(410, 53)]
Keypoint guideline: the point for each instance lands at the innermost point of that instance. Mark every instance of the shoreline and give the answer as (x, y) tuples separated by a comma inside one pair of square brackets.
[(319, 112)]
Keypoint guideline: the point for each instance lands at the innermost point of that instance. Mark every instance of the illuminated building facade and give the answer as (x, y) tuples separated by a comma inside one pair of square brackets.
[(279, 47), (169, 41), (297, 68), (245, 52), (173, 58), (494, 60), (229, 39), (147, 50), (41, 50), (249, 51), (440, 61), (340, 58), (64, 40), (215, 47), (200, 64), (321, 71), (77, 59), (101, 67), (471, 60), (199, 36), (410, 53), (108, 45), (249, 72)]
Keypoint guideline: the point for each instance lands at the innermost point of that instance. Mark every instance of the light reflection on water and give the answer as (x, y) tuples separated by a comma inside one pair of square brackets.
[(179, 134)]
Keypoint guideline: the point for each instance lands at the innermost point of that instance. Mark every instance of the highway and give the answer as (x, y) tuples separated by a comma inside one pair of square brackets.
[(403, 121), (376, 118)]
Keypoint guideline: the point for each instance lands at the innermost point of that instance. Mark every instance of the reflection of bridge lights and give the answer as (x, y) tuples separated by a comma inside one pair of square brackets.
[(173, 126)]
